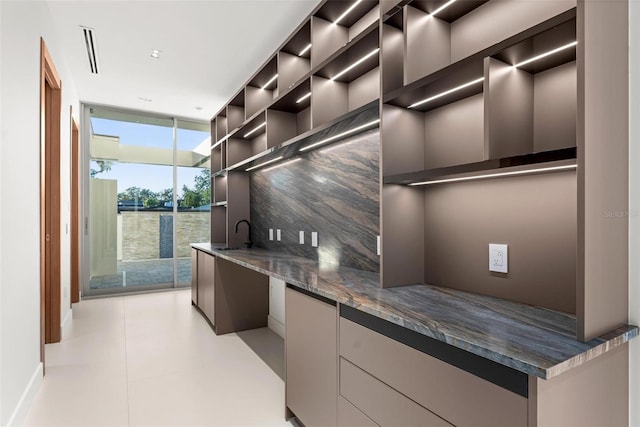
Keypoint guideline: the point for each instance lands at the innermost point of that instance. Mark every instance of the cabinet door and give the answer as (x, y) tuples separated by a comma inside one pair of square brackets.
[(206, 284), (194, 276), (311, 359)]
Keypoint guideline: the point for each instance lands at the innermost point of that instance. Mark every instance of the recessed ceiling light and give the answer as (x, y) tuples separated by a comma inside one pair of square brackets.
[(155, 53), (199, 108), (142, 98)]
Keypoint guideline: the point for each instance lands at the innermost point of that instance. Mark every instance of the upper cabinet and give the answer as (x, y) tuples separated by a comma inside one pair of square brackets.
[(461, 91)]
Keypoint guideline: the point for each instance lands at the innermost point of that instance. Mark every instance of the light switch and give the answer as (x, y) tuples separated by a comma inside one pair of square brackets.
[(271, 234), (301, 237), (498, 258), (314, 239), (378, 245), (278, 235)]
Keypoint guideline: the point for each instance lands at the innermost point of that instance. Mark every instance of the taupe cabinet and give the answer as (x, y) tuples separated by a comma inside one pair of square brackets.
[(311, 359), (231, 297), (205, 283)]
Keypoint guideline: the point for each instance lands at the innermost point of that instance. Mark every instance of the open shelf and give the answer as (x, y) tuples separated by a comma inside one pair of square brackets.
[(219, 189), (294, 59), (248, 141), (529, 162), (235, 112), (218, 224), (290, 115), (348, 81), (483, 108), (327, 36), (262, 89), (218, 157)]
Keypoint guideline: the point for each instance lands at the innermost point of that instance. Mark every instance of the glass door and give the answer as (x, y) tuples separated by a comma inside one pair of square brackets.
[(146, 200), (193, 176)]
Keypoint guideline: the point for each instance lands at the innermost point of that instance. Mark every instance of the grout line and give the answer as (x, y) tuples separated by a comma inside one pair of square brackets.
[(126, 359)]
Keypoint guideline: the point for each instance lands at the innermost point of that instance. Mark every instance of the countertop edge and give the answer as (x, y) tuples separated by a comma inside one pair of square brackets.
[(620, 335)]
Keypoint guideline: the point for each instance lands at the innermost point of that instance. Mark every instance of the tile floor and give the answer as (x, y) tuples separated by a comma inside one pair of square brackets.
[(152, 360)]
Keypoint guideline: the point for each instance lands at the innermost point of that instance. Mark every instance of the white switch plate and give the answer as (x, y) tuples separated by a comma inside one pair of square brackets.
[(498, 258), (278, 235), (301, 237), (271, 234), (314, 239), (378, 245)]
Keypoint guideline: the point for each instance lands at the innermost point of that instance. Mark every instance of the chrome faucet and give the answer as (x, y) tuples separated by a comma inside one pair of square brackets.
[(248, 243)]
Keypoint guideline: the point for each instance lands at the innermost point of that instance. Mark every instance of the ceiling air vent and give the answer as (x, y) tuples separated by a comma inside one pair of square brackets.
[(90, 44)]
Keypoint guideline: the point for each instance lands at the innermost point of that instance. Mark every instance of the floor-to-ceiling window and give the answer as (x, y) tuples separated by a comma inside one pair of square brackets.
[(149, 197)]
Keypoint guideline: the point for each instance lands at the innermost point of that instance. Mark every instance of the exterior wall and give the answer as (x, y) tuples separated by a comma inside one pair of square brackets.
[(22, 24), (141, 233)]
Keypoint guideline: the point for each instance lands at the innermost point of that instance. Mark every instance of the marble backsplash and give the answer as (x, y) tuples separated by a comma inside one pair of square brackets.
[(333, 191)]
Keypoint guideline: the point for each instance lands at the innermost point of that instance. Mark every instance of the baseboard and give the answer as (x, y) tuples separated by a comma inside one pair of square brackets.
[(20, 412), (276, 326)]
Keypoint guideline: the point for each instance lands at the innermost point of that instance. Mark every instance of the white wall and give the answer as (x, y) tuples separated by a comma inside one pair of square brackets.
[(634, 208), (22, 25)]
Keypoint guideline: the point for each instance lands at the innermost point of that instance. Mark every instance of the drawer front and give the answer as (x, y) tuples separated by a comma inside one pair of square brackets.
[(350, 416), (384, 405), (455, 395)]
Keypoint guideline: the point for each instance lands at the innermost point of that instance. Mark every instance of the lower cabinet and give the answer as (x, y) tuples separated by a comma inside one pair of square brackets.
[(394, 384), (206, 284), (311, 359), (194, 276)]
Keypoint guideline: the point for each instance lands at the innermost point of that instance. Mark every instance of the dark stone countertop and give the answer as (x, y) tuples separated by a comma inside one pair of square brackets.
[(533, 340)]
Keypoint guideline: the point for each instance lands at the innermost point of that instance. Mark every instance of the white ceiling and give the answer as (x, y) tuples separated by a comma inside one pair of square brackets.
[(209, 48)]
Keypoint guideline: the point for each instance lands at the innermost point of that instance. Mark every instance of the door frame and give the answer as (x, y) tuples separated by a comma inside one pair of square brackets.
[(75, 267), (50, 233)]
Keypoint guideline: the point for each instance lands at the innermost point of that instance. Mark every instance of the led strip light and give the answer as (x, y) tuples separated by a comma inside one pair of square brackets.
[(496, 175), (340, 135), (440, 95), (355, 64), (264, 164)]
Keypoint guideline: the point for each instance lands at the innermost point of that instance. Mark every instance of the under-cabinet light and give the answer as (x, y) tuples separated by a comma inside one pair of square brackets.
[(440, 95), (544, 55), (346, 12), (263, 164), (496, 175), (355, 64), (340, 135), (271, 80), (441, 8), (257, 128), (303, 51), (302, 98), (281, 164)]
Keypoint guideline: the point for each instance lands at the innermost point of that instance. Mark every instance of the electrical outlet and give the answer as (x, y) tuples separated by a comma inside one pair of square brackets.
[(314, 239), (301, 239), (278, 235), (271, 234), (498, 258)]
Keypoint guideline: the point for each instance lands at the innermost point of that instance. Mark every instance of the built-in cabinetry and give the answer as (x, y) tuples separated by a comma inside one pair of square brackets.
[(205, 283), (232, 298), (323, 81), (311, 358), (462, 91)]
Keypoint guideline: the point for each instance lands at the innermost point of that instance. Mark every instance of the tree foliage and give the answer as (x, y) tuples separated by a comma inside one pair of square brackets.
[(189, 198)]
